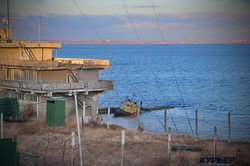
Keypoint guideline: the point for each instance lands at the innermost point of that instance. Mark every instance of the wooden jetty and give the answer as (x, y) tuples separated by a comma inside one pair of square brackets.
[(156, 108), (104, 110)]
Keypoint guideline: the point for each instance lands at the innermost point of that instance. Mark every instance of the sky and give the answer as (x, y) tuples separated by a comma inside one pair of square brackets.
[(130, 20)]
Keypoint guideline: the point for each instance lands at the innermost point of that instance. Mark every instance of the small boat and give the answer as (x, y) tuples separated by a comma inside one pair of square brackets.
[(128, 107)]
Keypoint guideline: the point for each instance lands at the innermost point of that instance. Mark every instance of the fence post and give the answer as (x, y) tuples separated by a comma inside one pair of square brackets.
[(169, 141), (138, 118), (165, 121), (97, 110), (196, 124), (123, 143), (37, 106), (215, 140), (229, 128), (108, 115), (1, 125)]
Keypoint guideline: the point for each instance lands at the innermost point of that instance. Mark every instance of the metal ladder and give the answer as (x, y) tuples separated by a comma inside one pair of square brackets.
[(28, 51), (73, 76), (76, 80)]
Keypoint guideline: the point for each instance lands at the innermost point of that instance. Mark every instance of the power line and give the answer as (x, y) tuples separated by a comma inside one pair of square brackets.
[(172, 68), (87, 20), (99, 36), (144, 49), (131, 20), (93, 28)]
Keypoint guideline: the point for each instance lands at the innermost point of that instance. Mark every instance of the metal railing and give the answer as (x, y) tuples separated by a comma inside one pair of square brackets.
[(56, 63)]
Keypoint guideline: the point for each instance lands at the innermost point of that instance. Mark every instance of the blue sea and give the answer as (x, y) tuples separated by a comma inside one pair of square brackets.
[(211, 78)]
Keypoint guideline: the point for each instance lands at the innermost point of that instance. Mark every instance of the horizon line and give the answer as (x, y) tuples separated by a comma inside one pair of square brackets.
[(135, 42)]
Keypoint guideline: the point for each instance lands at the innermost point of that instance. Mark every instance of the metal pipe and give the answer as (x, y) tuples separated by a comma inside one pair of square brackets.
[(1, 125), (39, 28), (78, 129)]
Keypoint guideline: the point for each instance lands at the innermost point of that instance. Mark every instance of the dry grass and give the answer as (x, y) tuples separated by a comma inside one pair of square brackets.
[(103, 147)]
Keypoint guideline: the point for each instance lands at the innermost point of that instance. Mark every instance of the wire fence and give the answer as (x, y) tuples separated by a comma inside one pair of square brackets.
[(111, 147), (228, 125)]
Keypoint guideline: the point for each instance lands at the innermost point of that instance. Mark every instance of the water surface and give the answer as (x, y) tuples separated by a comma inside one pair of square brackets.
[(211, 78)]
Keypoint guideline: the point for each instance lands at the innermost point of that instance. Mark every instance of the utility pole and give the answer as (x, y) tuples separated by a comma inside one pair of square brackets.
[(8, 21), (39, 28)]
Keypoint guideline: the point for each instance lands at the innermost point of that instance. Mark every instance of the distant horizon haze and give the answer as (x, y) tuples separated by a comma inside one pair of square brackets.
[(93, 20)]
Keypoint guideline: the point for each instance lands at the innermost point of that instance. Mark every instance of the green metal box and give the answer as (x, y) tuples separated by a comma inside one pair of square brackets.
[(55, 114), (9, 107), (7, 152)]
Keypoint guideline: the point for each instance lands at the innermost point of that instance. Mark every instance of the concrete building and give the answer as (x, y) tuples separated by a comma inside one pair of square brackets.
[(30, 73)]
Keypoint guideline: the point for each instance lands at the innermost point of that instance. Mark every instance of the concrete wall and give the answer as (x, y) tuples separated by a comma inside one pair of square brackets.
[(52, 76), (7, 53), (26, 106), (91, 103), (88, 75), (92, 100), (20, 54), (61, 76), (42, 53), (49, 76), (42, 106), (18, 74), (38, 103)]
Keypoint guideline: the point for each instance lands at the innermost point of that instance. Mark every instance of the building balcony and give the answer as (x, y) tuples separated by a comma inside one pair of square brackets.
[(56, 63), (22, 44), (28, 64), (83, 63), (55, 87)]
